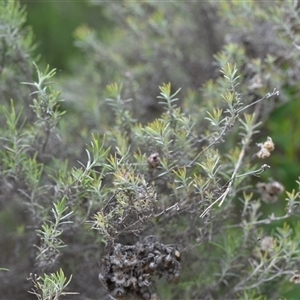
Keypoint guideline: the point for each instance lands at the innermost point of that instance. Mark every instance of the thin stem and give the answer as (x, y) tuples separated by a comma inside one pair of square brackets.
[(223, 196), (274, 93)]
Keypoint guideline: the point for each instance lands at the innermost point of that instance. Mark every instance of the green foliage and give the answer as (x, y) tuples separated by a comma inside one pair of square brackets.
[(16, 48), (50, 235), (50, 287)]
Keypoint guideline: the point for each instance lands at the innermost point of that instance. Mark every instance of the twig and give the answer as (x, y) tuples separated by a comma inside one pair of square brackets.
[(240, 159), (230, 182), (268, 95), (241, 285), (271, 218), (223, 196), (176, 206)]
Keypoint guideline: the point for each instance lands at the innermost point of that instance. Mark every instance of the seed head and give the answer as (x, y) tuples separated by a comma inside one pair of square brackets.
[(119, 278), (265, 148), (153, 160)]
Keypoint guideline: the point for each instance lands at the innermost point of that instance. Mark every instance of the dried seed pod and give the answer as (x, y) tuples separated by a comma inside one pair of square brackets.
[(153, 160)]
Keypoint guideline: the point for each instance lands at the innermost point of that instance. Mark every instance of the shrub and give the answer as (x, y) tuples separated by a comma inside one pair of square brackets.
[(185, 196)]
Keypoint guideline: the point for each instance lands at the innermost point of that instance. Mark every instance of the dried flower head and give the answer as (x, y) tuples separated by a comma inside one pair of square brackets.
[(119, 278), (130, 259), (270, 191), (268, 244), (265, 148), (117, 259), (295, 278), (153, 160)]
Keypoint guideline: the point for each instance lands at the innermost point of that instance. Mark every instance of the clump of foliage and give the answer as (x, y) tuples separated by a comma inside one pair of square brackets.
[(186, 195), (127, 271)]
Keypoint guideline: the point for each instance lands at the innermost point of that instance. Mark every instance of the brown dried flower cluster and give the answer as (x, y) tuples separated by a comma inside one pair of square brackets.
[(265, 148), (270, 191), (127, 271)]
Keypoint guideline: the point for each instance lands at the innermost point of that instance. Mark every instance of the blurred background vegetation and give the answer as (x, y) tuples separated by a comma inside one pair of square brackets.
[(54, 24), (143, 45)]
